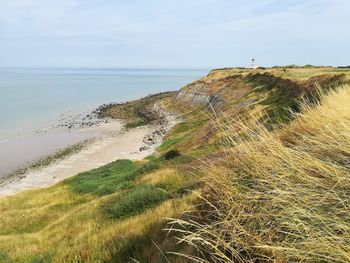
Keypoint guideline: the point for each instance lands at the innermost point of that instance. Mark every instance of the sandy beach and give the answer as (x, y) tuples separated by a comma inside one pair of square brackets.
[(114, 143)]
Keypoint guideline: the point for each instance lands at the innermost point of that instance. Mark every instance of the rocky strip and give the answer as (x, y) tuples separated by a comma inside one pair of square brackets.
[(79, 121), (164, 121)]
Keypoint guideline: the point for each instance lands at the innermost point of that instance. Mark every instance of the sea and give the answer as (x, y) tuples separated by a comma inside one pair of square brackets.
[(32, 99)]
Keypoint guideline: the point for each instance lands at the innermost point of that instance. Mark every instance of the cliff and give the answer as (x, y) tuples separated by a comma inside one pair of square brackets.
[(249, 174)]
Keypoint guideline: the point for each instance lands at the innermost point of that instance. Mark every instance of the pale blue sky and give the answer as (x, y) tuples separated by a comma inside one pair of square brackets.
[(173, 33)]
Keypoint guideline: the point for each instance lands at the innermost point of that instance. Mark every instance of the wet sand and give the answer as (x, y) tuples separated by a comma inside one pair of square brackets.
[(21, 151), (114, 143)]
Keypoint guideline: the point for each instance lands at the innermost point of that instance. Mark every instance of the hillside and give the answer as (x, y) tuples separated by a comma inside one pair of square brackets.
[(258, 170)]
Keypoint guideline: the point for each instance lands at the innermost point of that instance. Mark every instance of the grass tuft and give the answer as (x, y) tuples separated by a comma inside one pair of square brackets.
[(135, 202)]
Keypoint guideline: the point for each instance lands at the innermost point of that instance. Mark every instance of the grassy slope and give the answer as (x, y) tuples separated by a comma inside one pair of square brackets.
[(117, 212), (137, 112), (281, 196)]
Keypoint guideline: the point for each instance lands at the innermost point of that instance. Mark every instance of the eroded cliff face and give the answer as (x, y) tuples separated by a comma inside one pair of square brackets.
[(197, 98), (274, 90), (214, 92)]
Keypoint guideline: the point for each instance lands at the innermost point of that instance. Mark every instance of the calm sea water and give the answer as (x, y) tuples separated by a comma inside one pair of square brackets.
[(31, 98)]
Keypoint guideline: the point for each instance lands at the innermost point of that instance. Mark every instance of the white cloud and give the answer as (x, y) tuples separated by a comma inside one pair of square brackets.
[(172, 32)]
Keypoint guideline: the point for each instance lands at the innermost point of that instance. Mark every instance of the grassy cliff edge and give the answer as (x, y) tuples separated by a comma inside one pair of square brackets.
[(257, 171)]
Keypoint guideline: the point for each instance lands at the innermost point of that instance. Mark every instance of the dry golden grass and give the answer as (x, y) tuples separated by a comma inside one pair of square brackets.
[(164, 176), (73, 228), (32, 210), (280, 196)]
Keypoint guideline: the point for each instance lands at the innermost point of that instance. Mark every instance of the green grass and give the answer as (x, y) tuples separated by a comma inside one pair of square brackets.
[(282, 96), (35, 226), (150, 246), (41, 259), (104, 180), (135, 201), (118, 175), (204, 150), (175, 188), (187, 126), (136, 123), (148, 167), (280, 106), (4, 257), (183, 159), (168, 143), (137, 113)]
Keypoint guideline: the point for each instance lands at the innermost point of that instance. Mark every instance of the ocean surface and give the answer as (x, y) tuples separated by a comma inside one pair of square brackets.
[(33, 99)]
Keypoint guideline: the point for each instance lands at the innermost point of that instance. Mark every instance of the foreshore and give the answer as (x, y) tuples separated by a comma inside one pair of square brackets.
[(114, 142)]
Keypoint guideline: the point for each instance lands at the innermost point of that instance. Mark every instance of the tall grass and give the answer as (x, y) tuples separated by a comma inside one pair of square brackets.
[(281, 196), (82, 233), (75, 221), (136, 201)]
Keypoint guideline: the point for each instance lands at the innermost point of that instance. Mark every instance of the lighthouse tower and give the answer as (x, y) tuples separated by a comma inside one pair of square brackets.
[(253, 65)]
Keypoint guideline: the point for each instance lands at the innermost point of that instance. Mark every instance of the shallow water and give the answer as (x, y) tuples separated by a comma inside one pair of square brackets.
[(31, 99), (20, 151), (34, 99)]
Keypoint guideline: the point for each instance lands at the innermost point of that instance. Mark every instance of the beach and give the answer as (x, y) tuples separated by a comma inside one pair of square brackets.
[(113, 142), (46, 111)]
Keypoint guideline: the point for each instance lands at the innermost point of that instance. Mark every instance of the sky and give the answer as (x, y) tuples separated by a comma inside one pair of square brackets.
[(173, 33)]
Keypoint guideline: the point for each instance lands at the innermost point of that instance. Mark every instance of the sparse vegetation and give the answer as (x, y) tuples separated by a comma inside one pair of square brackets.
[(136, 113)]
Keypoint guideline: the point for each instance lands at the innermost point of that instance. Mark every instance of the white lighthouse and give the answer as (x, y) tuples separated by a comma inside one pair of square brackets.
[(253, 65)]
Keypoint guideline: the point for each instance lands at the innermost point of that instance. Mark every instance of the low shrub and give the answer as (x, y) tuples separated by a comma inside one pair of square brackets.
[(171, 154), (135, 201)]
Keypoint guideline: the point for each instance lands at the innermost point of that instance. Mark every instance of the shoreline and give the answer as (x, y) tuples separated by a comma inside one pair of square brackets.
[(115, 142), (46, 160), (24, 151)]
